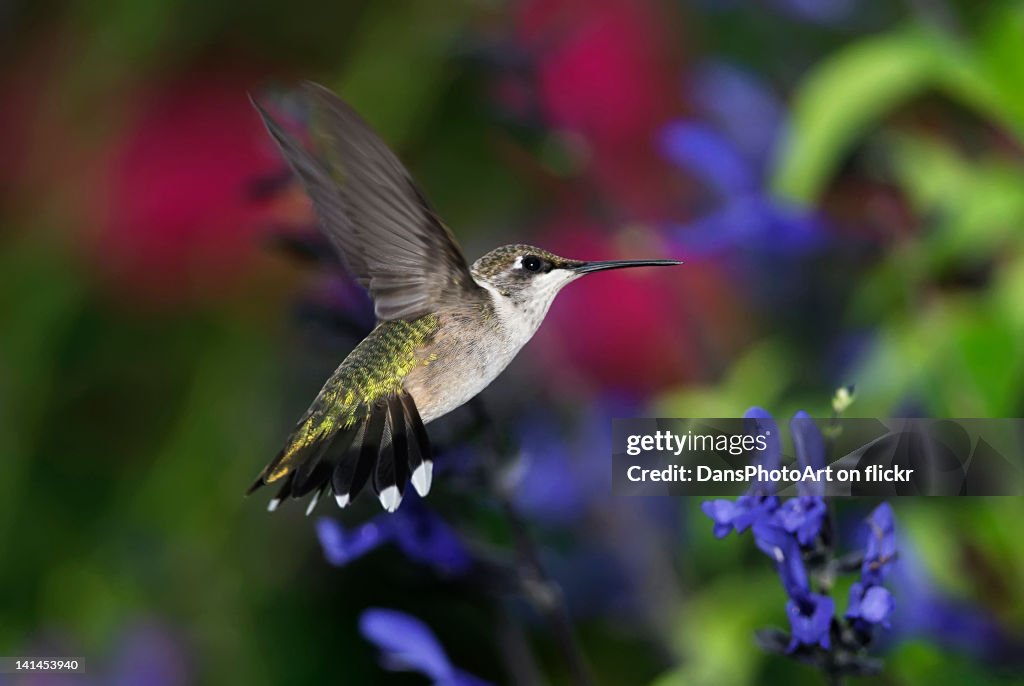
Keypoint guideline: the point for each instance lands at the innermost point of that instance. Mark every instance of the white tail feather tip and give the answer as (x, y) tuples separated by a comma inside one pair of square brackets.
[(422, 476), (390, 498)]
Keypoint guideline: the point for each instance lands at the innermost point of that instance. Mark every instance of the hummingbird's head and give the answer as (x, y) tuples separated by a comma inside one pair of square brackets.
[(526, 279)]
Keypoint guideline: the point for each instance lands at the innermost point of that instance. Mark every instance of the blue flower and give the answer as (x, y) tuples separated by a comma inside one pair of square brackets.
[(743, 109), (407, 644), (802, 516), (694, 146), (732, 154), (783, 549), (417, 531), (870, 605), (810, 621), (341, 546), (758, 422), (555, 480), (547, 483), (880, 550), (424, 537), (809, 445), (739, 514), (790, 533)]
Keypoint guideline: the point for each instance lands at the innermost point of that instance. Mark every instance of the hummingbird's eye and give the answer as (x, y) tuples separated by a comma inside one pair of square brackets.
[(531, 263)]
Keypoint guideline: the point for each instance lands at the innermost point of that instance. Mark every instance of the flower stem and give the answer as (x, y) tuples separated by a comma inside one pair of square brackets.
[(540, 591)]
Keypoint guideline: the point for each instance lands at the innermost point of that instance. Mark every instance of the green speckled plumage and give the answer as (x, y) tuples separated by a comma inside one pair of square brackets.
[(375, 369)]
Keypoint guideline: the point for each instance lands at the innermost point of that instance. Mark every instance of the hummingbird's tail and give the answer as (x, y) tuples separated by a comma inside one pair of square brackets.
[(389, 445)]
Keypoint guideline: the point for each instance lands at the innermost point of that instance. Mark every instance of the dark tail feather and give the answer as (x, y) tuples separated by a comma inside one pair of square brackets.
[(316, 471), (421, 460), (314, 465), (282, 494), (352, 473), (298, 458), (392, 472), (256, 485), (308, 475), (261, 480)]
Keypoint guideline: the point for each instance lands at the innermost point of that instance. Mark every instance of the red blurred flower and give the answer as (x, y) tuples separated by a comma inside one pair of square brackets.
[(177, 219), (605, 71)]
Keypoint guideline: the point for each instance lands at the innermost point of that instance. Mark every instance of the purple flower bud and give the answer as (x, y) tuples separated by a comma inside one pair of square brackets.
[(810, 450), (758, 422), (880, 550)]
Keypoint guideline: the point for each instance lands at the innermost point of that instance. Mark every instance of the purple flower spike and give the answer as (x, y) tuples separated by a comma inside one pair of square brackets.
[(810, 619), (407, 644), (794, 533), (730, 150)]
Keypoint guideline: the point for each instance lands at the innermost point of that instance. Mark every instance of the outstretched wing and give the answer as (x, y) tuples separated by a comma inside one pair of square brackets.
[(373, 213)]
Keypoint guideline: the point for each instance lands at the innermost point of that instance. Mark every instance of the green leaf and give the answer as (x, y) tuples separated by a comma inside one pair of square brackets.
[(842, 99), (993, 79)]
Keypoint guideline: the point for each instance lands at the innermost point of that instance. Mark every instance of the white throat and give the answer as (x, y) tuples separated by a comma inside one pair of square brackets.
[(521, 317)]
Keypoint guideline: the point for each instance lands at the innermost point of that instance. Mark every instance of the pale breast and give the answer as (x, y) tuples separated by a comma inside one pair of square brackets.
[(465, 356)]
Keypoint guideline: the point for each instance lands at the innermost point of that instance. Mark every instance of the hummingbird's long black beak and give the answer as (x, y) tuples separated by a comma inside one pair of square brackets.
[(588, 267)]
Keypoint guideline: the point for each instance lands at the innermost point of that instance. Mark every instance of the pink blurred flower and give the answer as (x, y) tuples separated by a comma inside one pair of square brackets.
[(174, 207), (604, 72)]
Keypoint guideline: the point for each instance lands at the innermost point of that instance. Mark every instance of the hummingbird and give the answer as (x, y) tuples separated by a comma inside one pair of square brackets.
[(445, 329)]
